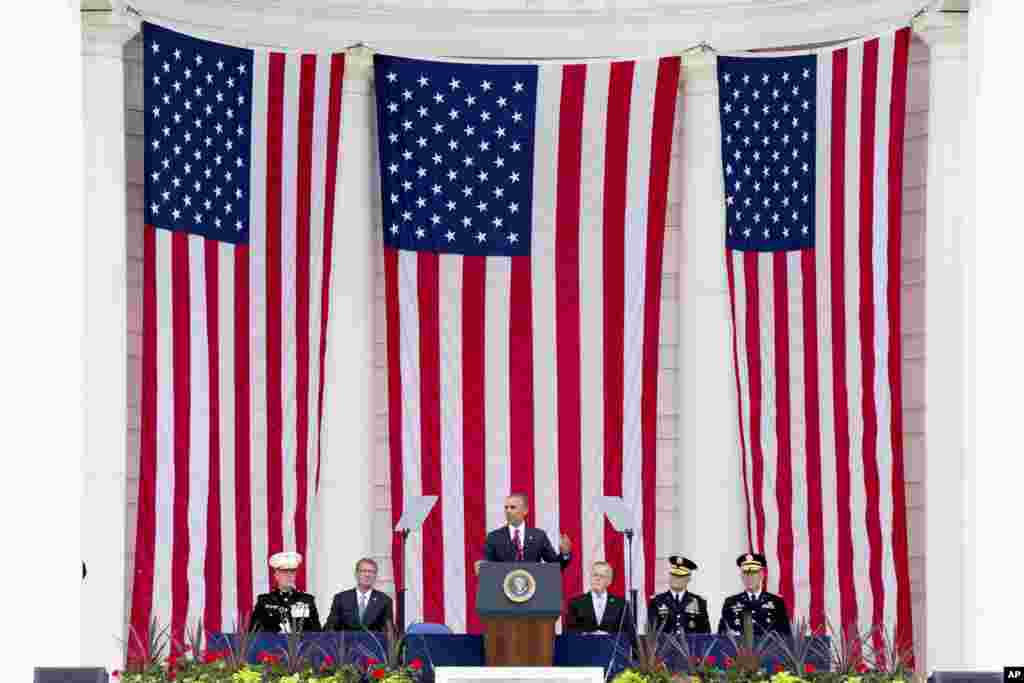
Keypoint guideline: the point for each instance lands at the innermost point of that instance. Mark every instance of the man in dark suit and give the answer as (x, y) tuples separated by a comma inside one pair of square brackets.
[(767, 610), (677, 610), (598, 611), (284, 609), (518, 543), (361, 608)]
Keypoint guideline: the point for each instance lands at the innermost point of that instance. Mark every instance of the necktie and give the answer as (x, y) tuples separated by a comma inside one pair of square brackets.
[(519, 545), (362, 606)]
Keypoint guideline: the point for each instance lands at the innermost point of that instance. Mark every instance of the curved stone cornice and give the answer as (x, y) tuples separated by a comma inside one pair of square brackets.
[(540, 29)]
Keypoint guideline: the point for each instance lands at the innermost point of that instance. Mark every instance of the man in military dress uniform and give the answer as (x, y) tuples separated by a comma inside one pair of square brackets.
[(677, 610), (767, 611), (284, 609)]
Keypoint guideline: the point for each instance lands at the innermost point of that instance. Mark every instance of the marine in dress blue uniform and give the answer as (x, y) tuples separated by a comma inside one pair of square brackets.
[(285, 609), (677, 610), (767, 610)]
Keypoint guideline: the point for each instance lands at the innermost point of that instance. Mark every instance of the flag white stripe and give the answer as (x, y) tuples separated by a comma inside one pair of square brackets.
[(321, 93), (289, 185), (164, 489), (743, 374), (542, 271), (769, 416), (592, 290), (862, 580), (883, 399), (823, 291), (452, 484), (798, 439), (258, 323), (496, 387), (638, 167), (226, 391), (409, 360), (199, 429)]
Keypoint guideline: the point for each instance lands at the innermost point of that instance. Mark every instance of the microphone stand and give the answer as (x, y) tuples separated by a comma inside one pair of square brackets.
[(400, 574), (629, 577)]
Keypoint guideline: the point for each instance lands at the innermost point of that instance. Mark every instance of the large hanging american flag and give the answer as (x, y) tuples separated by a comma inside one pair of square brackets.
[(241, 170), (524, 216), (812, 154)]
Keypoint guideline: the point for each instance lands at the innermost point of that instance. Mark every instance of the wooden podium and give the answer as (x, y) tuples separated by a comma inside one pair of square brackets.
[(518, 603)]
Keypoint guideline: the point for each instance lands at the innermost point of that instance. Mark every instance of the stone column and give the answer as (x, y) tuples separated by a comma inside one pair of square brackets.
[(710, 484), (946, 313), (103, 511), (346, 501)]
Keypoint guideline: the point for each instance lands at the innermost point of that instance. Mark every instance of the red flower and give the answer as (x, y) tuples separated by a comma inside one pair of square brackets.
[(416, 664), (862, 668), (328, 661), (728, 662), (710, 660), (371, 661), (171, 675), (115, 674), (378, 674), (779, 667), (809, 668)]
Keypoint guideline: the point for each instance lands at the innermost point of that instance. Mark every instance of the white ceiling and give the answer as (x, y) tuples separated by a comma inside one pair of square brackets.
[(529, 28)]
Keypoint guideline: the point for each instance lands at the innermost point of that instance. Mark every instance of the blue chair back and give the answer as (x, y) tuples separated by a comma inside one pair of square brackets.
[(428, 628)]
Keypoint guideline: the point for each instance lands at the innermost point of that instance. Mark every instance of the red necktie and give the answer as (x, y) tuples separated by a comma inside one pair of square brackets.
[(519, 545)]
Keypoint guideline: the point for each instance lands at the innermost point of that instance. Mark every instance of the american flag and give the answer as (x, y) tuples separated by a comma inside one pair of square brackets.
[(523, 217), (241, 169), (812, 156)]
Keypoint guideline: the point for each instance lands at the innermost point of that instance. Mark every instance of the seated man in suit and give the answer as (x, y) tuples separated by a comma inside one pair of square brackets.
[(598, 611), (519, 543), (677, 610), (284, 609), (361, 608), (767, 610)]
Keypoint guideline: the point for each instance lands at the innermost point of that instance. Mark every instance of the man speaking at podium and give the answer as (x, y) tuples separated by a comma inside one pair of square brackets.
[(518, 543)]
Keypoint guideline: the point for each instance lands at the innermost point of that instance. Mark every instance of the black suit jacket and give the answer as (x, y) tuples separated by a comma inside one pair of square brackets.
[(344, 614), (768, 613), (582, 619), (536, 547)]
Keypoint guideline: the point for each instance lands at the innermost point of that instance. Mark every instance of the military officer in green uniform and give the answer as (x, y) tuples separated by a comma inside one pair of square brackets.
[(677, 610), (285, 609), (767, 610)]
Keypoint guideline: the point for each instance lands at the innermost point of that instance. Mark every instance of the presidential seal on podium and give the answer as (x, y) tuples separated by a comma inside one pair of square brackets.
[(519, 585)]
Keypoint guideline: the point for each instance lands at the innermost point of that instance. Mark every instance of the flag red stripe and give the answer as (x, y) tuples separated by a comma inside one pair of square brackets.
[(427, 286), (145, 531), (869, 88), (212, 562), (474, 423), (243, 432), (275, 121), (303, 196), (567, 311), (520, 379), (837, 277), (751, 262), (815, 513), (620, 92), (331, 177), (731, 276), (663, 126), (394, 407), (181, 364), (904, 632), (783, 430)]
